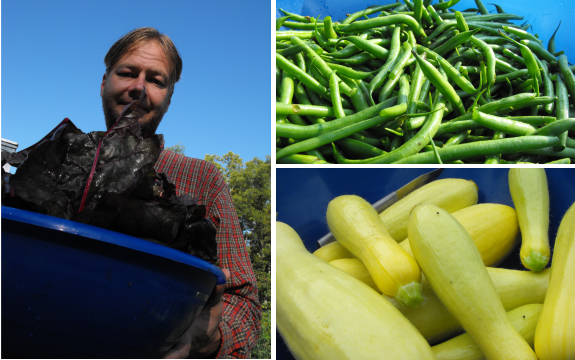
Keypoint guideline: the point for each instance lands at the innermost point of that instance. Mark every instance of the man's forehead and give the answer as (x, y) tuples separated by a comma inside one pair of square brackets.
[(146, 46)]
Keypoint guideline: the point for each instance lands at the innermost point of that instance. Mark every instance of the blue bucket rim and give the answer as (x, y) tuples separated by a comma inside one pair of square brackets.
[(111, 237)]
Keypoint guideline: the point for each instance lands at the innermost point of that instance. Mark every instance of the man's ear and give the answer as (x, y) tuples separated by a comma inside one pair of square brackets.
[(102, 86)]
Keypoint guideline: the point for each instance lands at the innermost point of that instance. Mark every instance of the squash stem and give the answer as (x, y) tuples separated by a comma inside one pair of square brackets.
[(410, 295)]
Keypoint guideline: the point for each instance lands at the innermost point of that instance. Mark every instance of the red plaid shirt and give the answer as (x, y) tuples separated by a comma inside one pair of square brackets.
[(240, 325)]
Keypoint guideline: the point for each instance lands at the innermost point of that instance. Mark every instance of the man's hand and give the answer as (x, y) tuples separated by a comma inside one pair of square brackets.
[(203, 338)]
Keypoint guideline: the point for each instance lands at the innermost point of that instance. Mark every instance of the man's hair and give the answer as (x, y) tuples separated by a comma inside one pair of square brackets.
[(140, 36)]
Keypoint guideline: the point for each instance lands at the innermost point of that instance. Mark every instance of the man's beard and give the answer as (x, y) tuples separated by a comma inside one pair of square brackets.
[(111, 116)]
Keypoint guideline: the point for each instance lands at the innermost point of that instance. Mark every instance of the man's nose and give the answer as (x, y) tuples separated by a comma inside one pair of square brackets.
[(137, 86)]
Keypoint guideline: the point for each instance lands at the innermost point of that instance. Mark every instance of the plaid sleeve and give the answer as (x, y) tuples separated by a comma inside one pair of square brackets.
[(240, 325)]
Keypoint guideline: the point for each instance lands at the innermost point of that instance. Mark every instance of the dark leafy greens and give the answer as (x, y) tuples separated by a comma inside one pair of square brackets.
[(125, 194)]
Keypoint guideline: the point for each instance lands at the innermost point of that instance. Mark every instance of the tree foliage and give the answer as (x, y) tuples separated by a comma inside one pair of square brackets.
[(178, 148)]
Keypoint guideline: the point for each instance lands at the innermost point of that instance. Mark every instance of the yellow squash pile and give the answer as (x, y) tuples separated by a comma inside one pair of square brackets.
[(403, 283)]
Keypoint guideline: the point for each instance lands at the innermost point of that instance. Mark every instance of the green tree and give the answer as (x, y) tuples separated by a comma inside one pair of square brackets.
[(250, 187), (178, 148)]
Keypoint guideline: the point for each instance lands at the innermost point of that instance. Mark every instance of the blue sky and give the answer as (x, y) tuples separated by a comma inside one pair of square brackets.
[(52, 68)]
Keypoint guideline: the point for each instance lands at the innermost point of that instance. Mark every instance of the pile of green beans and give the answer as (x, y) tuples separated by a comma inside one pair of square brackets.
[(414, 82)]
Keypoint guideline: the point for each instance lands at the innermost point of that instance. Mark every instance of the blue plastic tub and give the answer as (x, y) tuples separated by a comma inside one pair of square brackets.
[(71, 290), (544, 16), (303, 195)]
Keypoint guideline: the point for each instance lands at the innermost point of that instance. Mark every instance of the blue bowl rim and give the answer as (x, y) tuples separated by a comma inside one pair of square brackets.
[(111, 237)]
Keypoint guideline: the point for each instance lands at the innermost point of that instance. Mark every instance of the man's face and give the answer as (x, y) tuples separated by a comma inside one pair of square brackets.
[(145, 65)]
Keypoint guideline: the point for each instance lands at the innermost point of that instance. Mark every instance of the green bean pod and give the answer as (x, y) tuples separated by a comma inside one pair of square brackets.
[(313, 143), (386, 20), (442, 85), (306, 132), (502, 124), (484, 148), (319, 63)]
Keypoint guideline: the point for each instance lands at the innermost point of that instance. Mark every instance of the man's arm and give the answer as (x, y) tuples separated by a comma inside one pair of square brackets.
[(240, 326), (240, 323)]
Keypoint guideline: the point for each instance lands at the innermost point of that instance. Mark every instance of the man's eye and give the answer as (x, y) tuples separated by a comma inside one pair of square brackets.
[(125, 74), (158, 82)]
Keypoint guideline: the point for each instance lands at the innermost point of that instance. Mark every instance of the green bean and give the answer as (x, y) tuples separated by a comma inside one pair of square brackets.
[(302, 76), (550, 151), (352, 49), (451, 71), (301, 26), (499, 8), (384, 71), (404, 87), (301, 159), (368, 11), (440, 83), (302, 109), (490, 60), (444, 26), (495, 159), (359, 148), (548, 87), (335, 97), (327, 138), (419, 140), (434, 15), (567, 76), (505, 103), (511, 76), (541, 100), (286, 35), (482, 9), (358, 99), (286, 95), (296, 16), (417, 10), (457, 40), (306, 132), (369, 140), (457, 127), (502, 124), (387, 89), (445, 5), (538, 49), (302, 98), (320, 38), (533, 120), (319, 63), (399, 65), (522, 34), (357, 59), (329, 33), (562, 109), (556, 128), (551, 43), (456, 139), (386, 20), (514, 56), (281, 20), (484, 148), (375, 50), (349, 72), (480, 65)]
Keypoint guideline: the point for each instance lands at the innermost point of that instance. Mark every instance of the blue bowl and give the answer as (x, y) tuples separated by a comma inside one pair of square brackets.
[(71, 290), (303, 195)]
